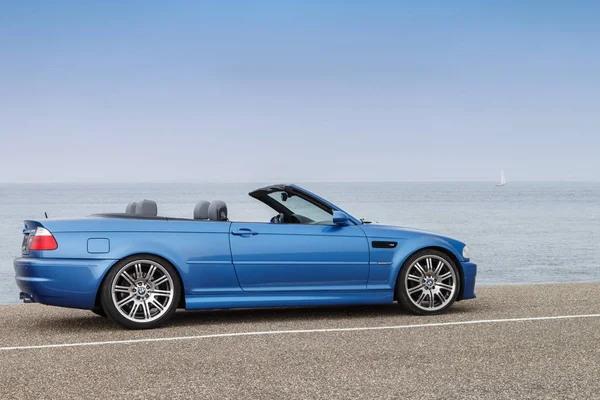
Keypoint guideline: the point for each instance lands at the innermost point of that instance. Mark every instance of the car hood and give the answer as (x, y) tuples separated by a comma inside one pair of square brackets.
[(395, 231)]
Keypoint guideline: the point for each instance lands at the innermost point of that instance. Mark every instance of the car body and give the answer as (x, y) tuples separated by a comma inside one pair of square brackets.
[(311, 253)]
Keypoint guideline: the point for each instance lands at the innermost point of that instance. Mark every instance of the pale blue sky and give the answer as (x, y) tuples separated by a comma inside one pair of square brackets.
[(299, 90)]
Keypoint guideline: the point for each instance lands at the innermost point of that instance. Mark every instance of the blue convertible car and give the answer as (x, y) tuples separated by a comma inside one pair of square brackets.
[(137, 268)]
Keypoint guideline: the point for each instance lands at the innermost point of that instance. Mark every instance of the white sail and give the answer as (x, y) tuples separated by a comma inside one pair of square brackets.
[(502, 179)]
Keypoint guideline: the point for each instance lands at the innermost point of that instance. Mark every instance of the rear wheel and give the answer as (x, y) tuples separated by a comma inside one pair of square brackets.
[(141, 292), (428, 283)]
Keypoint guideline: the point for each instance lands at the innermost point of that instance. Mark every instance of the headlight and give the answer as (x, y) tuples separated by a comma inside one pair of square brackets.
[(466, 253)]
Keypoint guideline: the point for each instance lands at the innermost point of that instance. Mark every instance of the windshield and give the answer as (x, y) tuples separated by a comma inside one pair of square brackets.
[(299, 206)]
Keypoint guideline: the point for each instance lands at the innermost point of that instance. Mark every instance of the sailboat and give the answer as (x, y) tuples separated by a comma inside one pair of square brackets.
[(502, 179)]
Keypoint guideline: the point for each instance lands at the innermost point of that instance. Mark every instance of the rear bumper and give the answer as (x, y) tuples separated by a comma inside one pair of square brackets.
[(61, 282), (469, 274)]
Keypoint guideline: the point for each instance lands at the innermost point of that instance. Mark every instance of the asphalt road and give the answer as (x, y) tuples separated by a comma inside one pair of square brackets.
[(500, 353)]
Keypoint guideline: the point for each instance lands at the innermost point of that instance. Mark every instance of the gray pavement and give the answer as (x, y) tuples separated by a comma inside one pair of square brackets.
[(503, 359)]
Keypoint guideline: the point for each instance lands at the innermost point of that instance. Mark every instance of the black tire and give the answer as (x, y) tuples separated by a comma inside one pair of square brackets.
[(409, 301), (98, 311), (162, 316)]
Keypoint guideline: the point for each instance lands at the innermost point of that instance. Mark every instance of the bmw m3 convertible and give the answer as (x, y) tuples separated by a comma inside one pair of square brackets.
[(137, 267)]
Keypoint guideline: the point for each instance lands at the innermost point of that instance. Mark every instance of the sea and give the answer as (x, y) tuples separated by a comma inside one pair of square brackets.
[(522, 233)]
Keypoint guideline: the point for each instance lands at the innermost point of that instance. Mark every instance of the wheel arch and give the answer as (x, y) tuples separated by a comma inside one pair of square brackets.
[(443, 250), (97, 301)]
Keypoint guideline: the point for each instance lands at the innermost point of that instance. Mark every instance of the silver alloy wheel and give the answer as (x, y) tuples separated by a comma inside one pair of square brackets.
[(430, 283), (142, 291)]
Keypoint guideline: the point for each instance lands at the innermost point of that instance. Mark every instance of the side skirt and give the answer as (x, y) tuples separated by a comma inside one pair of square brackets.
[(249, 300)]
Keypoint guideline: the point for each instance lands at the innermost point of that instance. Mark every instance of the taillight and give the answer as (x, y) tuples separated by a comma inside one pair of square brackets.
[(42, 239)]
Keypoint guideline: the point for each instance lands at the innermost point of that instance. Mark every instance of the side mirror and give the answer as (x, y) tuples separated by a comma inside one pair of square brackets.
[(340, 218)]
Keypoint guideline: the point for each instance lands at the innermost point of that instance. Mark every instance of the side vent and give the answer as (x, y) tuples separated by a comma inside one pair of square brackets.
[(378, 244)]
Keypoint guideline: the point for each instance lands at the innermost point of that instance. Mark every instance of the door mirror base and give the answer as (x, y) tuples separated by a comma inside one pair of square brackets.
[(340, 218)]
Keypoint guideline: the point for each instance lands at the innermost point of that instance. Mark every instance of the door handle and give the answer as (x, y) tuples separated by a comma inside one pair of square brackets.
[(244, 232)]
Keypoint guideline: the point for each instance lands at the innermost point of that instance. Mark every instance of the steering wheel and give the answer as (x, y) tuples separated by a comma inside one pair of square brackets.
[(278, 219)]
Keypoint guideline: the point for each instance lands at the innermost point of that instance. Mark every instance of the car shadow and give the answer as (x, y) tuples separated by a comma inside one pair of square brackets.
[(76, 324), (291, 314), (81, 323)]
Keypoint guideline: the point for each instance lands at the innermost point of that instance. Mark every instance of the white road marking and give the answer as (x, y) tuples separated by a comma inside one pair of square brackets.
[(324, 330)]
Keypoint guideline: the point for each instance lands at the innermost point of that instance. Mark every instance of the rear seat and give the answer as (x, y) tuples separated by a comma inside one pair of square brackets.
[(146, 208), (201, 210), (130, 208)]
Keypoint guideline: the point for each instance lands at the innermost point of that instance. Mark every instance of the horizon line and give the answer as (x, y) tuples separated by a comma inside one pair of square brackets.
[(292, 181)]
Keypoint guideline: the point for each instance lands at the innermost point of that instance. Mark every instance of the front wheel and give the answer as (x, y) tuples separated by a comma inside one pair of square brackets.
[(428, 283), (141, 292)]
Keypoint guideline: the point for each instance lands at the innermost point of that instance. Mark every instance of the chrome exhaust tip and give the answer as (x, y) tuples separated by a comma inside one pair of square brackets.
[(25, 297)]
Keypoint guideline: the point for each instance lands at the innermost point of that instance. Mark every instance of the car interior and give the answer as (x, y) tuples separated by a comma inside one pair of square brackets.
[(292, 210), (204, 210)]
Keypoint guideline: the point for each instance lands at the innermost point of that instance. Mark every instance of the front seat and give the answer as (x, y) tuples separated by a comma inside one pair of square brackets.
[(201, 210), (146, 208), (217, 211)]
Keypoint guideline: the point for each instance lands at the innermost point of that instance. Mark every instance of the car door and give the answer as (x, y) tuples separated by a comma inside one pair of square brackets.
[(299, 257)]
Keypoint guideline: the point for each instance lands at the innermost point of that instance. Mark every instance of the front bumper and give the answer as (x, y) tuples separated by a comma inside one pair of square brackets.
[(61, 282), (469, 275)]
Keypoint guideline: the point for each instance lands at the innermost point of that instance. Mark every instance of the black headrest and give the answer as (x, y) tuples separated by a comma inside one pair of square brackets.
[(201, 210), (146, 208), (217, 211)]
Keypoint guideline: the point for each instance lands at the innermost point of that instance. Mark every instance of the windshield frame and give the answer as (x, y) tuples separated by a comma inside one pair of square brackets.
[(261, 194)]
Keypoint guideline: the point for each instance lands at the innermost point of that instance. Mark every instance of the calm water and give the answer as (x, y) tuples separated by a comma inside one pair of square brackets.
[(522, 233)]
